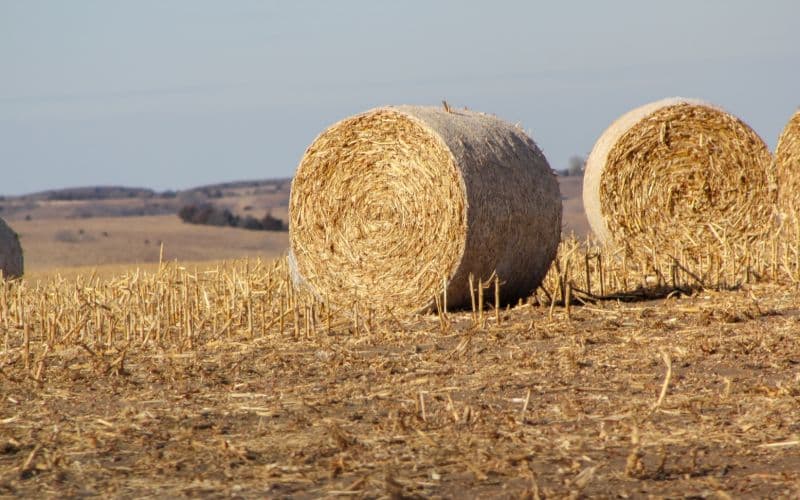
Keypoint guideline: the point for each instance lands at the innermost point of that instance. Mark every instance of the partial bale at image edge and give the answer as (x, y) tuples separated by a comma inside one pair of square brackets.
[(11, 258), (679, 172), (393, 206), (787, 171)]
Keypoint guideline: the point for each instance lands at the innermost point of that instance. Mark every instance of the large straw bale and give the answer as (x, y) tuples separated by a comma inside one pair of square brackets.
[(787, 170), (679, 172), (389, 205), (10, 252)]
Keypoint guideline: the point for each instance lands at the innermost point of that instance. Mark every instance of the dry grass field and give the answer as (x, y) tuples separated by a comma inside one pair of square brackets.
[(223, 382), (65, 234), (214, 378), (55, 236), (57, 243), (573, 217)]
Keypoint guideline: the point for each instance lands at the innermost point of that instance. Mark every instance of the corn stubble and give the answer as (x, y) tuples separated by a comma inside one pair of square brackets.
[(671, 370), (661, 375)]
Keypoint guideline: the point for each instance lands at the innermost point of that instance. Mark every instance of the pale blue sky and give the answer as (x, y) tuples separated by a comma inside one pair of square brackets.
[(177, 93)]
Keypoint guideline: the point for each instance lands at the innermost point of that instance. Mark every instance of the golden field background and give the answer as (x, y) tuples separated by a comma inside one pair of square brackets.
[(208, 375), (59, 235)]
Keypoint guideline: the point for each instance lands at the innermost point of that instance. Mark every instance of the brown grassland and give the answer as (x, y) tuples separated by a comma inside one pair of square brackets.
[(53, 245), (660, 378)]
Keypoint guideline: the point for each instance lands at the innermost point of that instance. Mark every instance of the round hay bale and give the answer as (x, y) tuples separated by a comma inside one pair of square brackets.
[(787, 170), (389, 205), (679, 172), (10, 252)]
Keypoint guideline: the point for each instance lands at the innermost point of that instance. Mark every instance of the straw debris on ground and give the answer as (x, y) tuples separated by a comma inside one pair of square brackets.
[(226, 382)]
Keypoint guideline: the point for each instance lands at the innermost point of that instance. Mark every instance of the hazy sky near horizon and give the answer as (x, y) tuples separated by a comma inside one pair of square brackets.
[(174, 94)]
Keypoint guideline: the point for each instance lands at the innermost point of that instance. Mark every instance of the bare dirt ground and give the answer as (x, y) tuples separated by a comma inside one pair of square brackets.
[(693, 396)]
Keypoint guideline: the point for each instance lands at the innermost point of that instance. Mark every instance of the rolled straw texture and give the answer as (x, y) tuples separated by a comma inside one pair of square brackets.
[(679, 172), (10, 252), (787, 170), (389, 206)]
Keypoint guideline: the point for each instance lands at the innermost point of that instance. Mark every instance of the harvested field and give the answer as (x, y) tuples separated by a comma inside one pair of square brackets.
[(223, 382), (53, 245)]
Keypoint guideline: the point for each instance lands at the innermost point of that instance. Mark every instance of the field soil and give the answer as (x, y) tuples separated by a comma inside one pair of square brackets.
[(695, 396), (197, 379)]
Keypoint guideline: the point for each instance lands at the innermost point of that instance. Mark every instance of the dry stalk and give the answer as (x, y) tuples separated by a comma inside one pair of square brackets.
[(497, 300), (481, 318), (665, 386)]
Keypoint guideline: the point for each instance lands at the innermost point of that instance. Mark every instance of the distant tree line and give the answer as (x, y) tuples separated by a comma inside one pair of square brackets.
[(575, 167), (88, 193), (93, 193), (208, 214)]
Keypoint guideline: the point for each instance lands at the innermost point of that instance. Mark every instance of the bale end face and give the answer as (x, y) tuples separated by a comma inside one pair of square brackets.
[(682, 173), (392, 206), (787, 171)]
